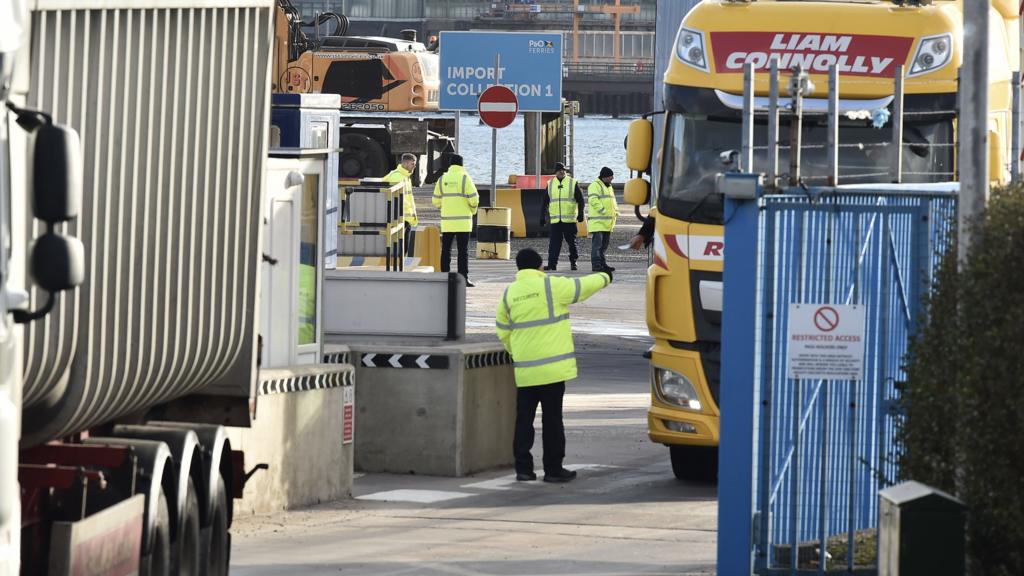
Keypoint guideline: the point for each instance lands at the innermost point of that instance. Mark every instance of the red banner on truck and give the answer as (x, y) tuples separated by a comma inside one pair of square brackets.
[(853, 54)]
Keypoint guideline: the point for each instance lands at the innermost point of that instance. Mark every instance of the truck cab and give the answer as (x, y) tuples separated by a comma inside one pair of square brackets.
[(869, 43)]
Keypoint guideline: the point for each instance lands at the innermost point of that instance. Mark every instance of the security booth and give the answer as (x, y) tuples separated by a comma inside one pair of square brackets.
[(311, 122)]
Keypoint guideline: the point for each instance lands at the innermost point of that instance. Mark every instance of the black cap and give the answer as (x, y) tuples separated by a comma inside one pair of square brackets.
[(455, 160), (559, 166), (606, 172), (528, 259)]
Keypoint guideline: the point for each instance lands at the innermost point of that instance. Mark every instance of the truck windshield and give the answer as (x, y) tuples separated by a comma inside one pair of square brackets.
[(697, 148)]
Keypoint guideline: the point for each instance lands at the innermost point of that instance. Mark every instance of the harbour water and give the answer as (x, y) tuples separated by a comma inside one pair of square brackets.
[(598, 142)]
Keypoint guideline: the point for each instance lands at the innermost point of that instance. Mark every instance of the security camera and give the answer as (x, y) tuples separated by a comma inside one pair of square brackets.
[(728, 157)]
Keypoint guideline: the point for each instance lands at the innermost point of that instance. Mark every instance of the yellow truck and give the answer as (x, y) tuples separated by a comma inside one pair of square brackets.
[(866, 40)]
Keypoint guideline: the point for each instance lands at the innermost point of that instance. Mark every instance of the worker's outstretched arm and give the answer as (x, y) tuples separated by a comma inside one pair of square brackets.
[(573, 290), (502, 322), (436, 200)]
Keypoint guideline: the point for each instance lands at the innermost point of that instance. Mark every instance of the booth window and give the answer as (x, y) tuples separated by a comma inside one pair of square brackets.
[(308, 251)]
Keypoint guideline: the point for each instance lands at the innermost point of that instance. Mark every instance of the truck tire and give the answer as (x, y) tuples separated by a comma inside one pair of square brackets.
[(695, 463), (361, 157), (218, 554), (158, 563), (189, 545)]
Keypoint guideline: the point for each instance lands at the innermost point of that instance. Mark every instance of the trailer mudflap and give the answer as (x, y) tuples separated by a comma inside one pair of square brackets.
[(108, 542)]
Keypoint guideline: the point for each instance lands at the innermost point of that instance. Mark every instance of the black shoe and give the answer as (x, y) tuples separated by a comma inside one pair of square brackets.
[(561, 477), (470, 284), (572, 266), (551, 268), (609, 268), (525, 476)]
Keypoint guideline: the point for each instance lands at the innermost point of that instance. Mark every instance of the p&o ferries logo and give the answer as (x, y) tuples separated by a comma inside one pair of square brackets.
[(541, 47), (852, 54)]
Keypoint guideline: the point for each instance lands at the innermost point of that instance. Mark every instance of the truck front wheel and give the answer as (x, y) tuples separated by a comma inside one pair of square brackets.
[(695, 463)]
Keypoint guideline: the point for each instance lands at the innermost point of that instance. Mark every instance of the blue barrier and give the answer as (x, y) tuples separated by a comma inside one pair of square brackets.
[(802, 459)]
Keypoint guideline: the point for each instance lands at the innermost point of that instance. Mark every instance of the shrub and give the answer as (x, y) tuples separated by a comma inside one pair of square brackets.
[(964, 397)]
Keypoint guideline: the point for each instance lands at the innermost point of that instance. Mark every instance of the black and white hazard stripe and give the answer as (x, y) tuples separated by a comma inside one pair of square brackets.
[(338, 357), (306, 382), (487, 360), (419, 361)]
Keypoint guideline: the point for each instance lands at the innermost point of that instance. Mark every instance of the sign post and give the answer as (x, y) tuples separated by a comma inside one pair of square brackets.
[(528, 65), (497, 107)]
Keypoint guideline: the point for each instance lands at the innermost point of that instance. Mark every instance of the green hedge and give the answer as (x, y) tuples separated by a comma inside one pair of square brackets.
[(964, 398)]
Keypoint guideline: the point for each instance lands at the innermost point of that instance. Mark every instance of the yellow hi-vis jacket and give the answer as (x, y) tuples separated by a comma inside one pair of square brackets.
[(561, 194), (456, 196), (403, 176), (602, 209), (533, 323)]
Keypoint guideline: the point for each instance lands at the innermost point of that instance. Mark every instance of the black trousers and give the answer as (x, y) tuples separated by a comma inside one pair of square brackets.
[(410, 245), (550, 398), (462, 238), (598, 247), (562, 231)]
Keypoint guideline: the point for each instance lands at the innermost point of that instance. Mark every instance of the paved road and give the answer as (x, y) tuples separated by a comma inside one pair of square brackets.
[(626, 514)]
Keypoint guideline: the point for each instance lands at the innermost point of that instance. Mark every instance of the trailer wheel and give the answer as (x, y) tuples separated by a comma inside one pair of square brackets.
[(695, 463), (158, 563), (361, 156), (189, 547), (217, 556)]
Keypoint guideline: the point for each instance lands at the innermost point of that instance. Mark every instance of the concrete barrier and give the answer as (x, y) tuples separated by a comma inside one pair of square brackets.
[(303, 431), (446, 410)]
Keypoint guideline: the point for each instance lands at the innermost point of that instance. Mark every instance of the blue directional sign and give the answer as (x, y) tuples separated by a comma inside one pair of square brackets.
[(531, 65)]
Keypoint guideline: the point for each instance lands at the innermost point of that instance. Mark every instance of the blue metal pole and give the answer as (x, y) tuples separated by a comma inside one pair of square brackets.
[(736, 452)]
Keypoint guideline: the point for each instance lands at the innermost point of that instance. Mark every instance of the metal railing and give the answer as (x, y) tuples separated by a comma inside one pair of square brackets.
[(609, 70)]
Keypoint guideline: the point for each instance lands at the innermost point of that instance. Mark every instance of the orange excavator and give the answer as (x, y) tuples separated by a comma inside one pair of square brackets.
[(370, 73)]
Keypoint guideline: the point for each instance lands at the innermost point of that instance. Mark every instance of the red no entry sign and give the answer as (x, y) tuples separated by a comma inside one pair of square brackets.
[(498, 106), (826, 318)]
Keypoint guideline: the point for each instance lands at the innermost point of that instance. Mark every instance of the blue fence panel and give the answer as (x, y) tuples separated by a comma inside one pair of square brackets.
[(821, 449)]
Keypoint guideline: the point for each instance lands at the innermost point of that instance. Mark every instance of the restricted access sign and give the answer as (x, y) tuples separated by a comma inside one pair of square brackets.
[(826, 341), (498, 106)]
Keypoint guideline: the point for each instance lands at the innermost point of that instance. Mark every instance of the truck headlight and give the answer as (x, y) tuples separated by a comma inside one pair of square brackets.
[(676, 389), (690, 48), (933, 53)]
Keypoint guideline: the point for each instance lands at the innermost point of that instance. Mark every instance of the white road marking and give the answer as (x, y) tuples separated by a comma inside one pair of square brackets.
[(507, 482), (500, 483), (418, 496)]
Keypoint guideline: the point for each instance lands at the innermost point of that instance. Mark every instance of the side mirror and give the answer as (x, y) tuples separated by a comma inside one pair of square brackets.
[(56, 174), (639, 143), (58, 262), (636, 192)]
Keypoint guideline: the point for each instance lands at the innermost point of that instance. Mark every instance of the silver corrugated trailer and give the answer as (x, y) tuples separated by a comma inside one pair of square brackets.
[(170, 99), (124, 464)]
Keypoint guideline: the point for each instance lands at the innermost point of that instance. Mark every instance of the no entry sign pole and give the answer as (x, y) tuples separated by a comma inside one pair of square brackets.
[(494, 138), (498, 106)]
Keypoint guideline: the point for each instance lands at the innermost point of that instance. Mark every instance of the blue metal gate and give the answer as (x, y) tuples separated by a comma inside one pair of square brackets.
[(805, 465)]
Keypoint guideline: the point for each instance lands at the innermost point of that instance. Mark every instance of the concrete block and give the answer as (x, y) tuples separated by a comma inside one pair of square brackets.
[(299, 432), (453, 418)]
